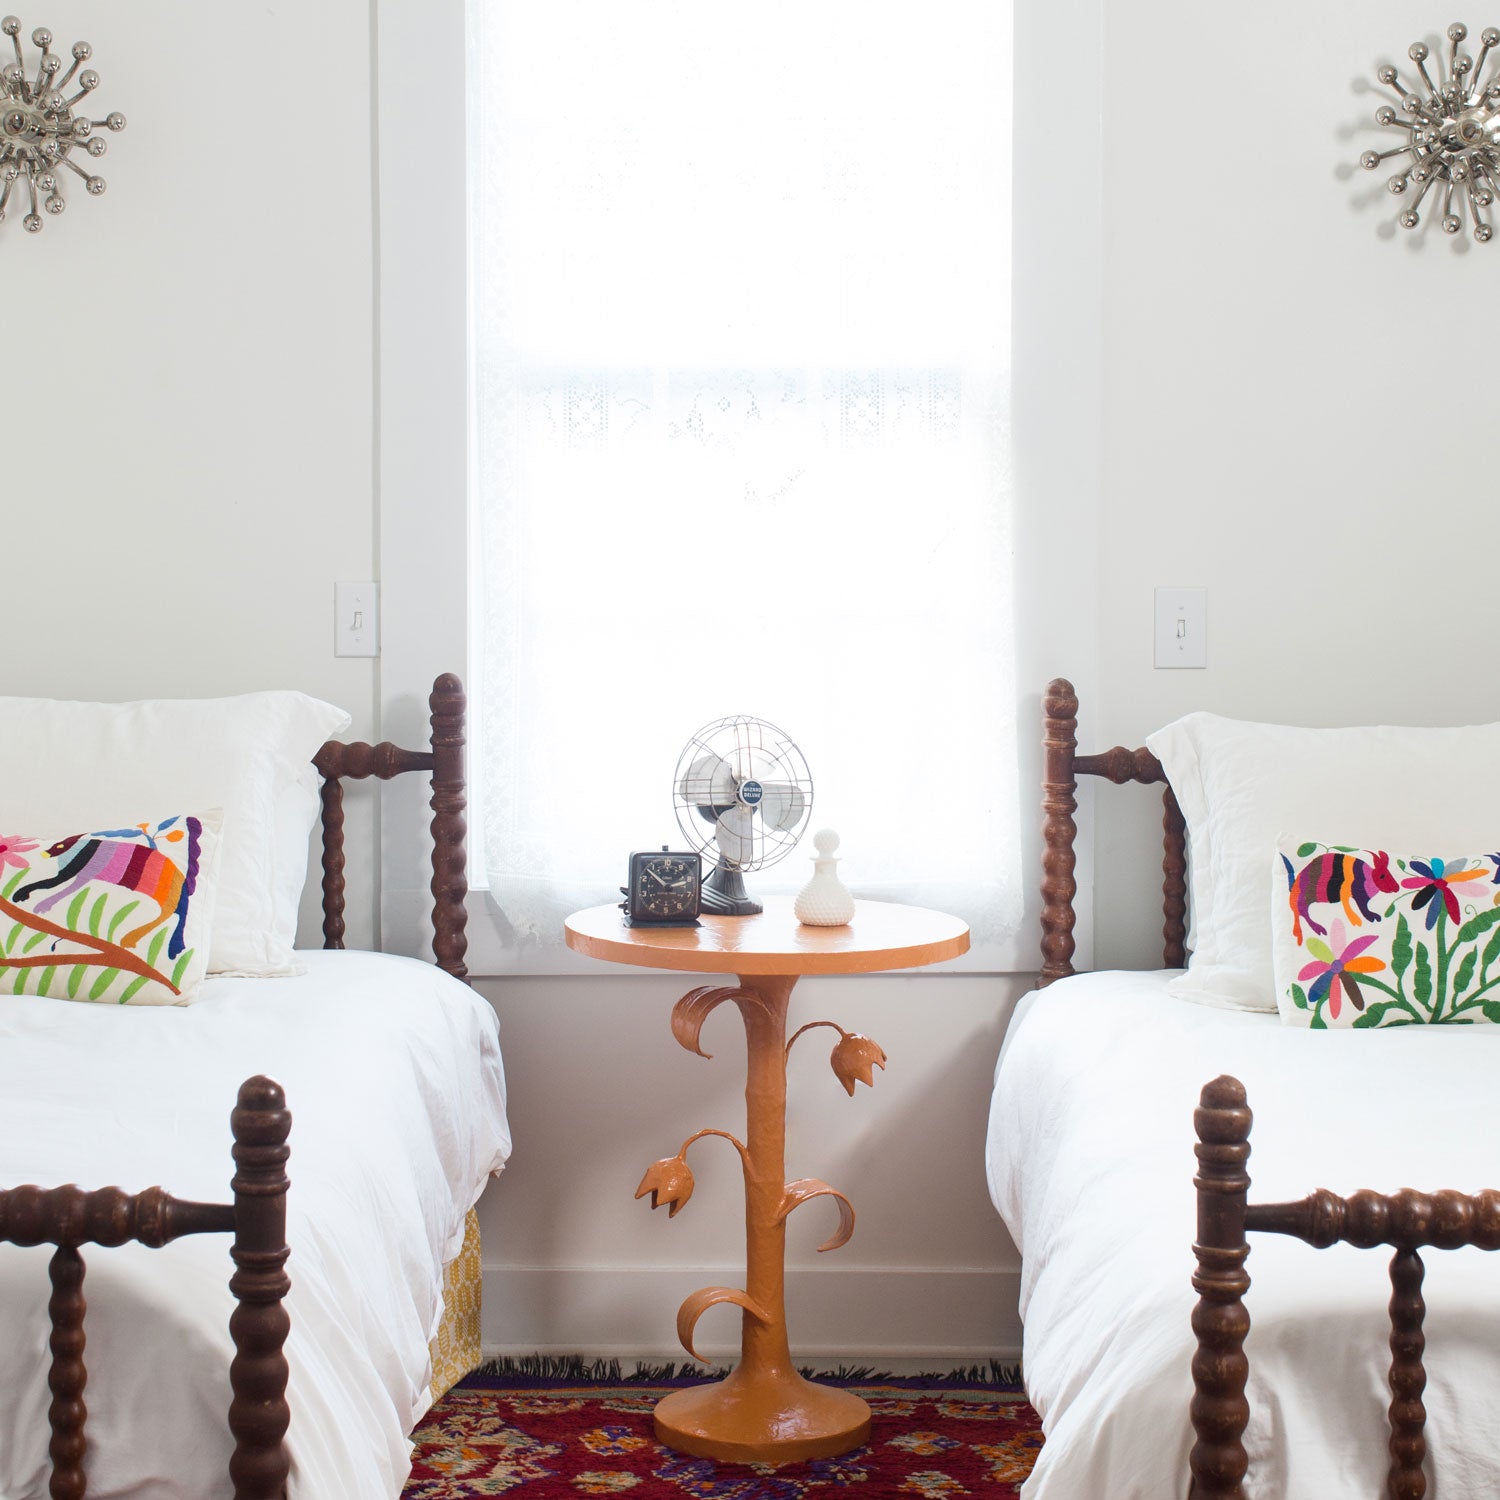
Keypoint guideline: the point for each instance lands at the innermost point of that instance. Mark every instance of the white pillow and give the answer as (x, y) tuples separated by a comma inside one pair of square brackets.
[(82, 765), (1239, 785)]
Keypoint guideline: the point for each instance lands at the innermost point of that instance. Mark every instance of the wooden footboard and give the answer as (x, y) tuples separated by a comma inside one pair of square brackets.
[(68, 1217), (1407, 1221)]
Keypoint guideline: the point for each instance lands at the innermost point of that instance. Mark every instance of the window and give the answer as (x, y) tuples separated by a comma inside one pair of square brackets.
[(740, 302)]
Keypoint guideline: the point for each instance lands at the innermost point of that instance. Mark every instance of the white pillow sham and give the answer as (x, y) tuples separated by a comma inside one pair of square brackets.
[(81, 765), (1240, 784)]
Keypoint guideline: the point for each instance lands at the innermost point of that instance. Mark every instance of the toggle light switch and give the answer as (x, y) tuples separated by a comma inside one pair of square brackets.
[(356, 619), (1182, 627)]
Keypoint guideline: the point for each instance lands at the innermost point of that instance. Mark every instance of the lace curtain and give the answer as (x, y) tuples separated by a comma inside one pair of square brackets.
[(740, 344)]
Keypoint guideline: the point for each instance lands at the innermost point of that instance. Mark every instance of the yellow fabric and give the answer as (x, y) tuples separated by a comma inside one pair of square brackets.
[(455, 1350)]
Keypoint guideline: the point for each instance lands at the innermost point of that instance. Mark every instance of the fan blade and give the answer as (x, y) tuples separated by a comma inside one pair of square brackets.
[(708, 782), (782, 804), (734, 834)]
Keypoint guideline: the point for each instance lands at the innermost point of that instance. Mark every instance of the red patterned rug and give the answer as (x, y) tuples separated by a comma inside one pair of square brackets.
[(549, 1439)]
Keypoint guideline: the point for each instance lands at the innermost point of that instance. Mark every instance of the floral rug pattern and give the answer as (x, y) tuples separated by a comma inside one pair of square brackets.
[(549, 1442)]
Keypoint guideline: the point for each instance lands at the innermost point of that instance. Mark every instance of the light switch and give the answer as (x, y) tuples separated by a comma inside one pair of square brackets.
[(1182, 627), (356, 610)]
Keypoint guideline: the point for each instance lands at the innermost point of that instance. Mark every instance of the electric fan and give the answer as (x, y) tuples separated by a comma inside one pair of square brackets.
[(743, 793)]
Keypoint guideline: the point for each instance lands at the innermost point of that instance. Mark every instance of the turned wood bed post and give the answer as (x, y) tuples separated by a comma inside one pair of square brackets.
[(450, 874), (1059, 831), (258, 1412), (1062, 765), (444, 761), (1219, 1410)]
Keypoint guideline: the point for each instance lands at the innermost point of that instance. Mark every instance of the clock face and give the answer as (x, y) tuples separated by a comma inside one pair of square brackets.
[(665, 886)]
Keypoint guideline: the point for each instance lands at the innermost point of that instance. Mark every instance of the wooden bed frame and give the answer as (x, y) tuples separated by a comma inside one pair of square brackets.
[(68, 1217), (1062, 766), (1406, 1221)]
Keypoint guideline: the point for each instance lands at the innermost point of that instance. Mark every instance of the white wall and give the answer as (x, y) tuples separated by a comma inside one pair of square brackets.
[(187, 417), (1297, 413)]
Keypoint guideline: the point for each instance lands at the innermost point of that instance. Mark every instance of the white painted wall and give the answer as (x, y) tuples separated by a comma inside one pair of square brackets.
[(1297, 412), (187, 362)]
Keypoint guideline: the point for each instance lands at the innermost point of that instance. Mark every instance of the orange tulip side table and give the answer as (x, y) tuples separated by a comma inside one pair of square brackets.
[(763, 1411)]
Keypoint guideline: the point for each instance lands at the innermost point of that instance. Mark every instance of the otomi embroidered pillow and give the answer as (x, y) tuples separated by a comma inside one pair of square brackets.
[(120, 916), (1367, 938)]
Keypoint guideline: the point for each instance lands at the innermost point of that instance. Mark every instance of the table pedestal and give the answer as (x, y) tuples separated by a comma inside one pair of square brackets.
[(763, 1412)]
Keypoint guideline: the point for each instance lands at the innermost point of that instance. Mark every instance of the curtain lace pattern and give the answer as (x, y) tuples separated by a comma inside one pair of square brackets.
[(740, 360)]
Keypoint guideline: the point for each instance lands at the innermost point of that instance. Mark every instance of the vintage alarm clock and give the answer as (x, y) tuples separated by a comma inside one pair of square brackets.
[(664, 889)]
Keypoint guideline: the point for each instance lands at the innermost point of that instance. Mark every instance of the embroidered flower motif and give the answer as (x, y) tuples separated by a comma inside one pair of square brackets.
[(1435, 880), (669, 1181), (1337, 962), (12, 847), (855, 1059)]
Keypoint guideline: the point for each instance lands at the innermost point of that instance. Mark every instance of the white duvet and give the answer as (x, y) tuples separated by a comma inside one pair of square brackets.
[(392, 1074), (1090, 1157)]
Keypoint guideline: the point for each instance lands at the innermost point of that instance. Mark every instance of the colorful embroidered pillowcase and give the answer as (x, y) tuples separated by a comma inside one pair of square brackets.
[(120, 916), (1363, 937)]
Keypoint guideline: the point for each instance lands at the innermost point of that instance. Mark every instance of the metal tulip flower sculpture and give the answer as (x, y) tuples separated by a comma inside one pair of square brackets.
[(765, 1381)]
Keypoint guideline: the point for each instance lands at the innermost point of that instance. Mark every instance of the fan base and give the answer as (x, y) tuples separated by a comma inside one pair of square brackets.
[(724, 895)]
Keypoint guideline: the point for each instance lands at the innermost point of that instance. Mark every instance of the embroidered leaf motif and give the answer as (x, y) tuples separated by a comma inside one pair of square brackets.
[(45, 979), (1465, 972), (96, 914), (1303, 850), (1401, 948), (15, 880), (32, 941), (1299, 997), (74, 907), (180, 968), (106, 978), (75, 978), (1421, 984), (20, 982), (1376, 1014), (12, 935), (119, 916), (1491, 1009), (1491, 952), (156, 945), (1475, 925), (131, 988)]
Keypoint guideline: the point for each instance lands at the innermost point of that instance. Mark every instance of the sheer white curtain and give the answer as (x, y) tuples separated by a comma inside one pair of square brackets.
[(740, 340)]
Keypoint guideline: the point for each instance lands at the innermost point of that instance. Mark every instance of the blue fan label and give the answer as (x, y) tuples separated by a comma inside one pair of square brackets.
[(750, 793)]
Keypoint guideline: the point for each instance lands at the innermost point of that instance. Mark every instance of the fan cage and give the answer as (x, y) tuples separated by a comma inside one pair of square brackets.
[(752, 748)]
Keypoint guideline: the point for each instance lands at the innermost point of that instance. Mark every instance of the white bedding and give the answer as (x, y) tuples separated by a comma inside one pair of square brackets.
[(392, 1074), (1090, 1158)]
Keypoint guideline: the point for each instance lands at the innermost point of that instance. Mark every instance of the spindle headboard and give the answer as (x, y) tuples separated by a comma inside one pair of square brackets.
[(1062, 765), (444, 759)]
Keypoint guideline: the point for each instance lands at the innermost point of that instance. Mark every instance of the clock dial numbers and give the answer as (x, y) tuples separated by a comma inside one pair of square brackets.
[(665, 887)]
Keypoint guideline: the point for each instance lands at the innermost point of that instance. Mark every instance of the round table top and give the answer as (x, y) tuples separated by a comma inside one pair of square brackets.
[(882, 935)]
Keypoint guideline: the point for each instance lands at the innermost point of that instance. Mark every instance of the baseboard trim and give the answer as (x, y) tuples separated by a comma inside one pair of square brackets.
[(897, 1319)]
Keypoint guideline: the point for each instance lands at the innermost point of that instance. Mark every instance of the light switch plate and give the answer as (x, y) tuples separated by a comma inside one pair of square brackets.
[(1181, 627), (356, 613)]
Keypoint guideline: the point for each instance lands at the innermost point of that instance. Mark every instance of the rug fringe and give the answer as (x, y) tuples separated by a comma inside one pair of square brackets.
[(574, 1367)]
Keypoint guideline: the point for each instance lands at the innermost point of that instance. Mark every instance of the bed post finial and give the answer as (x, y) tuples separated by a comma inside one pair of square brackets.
[(450, 873), (1059, 803), (1220, 1320)]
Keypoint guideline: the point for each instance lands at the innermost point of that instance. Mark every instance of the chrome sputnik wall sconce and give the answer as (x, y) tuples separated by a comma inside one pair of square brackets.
[(40, 130), (1452, 130)]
